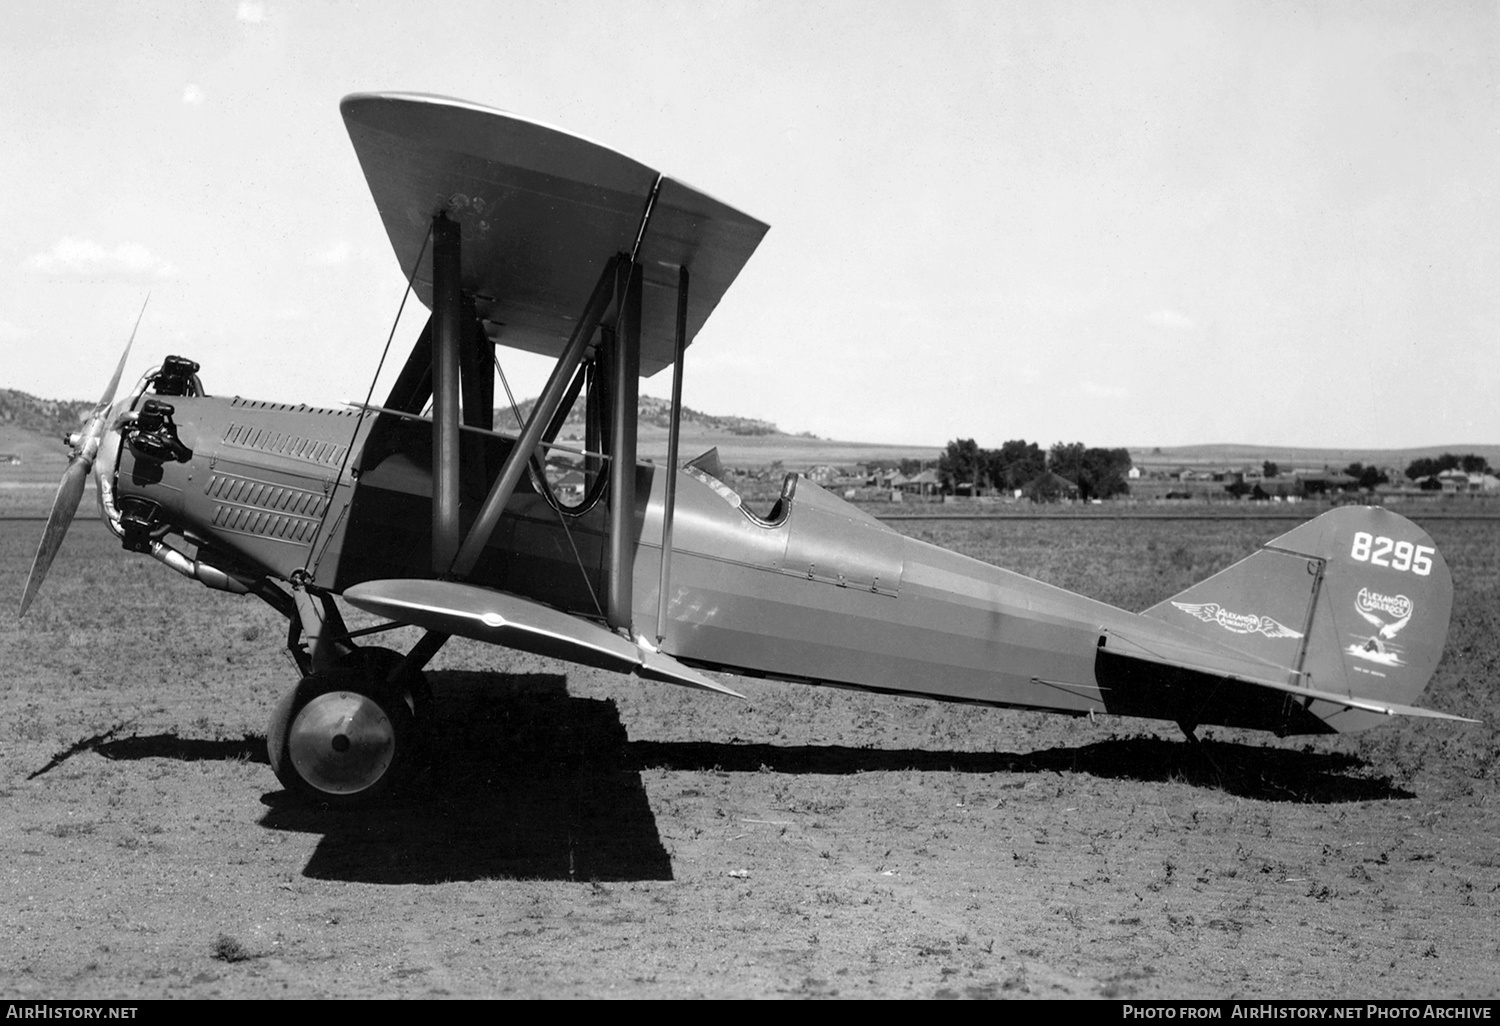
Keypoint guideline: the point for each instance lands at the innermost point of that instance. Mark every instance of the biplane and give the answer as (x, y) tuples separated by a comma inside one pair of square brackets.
[(424, 511)]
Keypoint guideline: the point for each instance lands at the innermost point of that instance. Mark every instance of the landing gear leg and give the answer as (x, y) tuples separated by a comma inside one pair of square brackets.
[(316, 635), (354, 725)]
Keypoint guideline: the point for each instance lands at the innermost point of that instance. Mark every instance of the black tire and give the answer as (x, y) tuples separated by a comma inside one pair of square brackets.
[(341, 738), (377, 664)]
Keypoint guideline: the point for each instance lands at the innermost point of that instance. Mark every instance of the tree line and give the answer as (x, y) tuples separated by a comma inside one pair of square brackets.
[(1019, 464), (1416, 470), (1428, 466), (1367, 478)]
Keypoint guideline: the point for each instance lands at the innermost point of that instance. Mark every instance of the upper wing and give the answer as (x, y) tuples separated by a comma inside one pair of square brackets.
[(541, 212)]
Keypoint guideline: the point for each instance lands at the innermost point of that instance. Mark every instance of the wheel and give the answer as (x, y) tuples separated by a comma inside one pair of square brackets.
[(377, 664), (341, 738)]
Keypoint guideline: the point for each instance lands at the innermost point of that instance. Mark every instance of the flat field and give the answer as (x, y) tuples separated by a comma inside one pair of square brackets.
[(580, 834)]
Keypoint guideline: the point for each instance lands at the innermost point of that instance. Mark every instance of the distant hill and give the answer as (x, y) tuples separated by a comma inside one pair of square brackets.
[(33, 430), (1287, 457), (658, 413), (741, 441), (51, 417)]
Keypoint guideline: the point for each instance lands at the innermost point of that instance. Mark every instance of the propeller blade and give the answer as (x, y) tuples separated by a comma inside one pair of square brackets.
[(114, 382), (70, 492), (63, 508)]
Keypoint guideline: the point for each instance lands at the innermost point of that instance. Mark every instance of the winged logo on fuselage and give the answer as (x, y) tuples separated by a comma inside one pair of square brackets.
[(1239, 623)]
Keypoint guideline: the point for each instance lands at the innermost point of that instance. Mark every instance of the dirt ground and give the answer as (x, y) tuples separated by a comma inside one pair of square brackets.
[(580, 834)]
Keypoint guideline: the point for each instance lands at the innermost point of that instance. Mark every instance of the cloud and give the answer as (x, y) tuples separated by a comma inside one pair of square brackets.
[(84, 258), (1172, 320), (337, 253), (251, 13), (1094, 390), (192, 95)]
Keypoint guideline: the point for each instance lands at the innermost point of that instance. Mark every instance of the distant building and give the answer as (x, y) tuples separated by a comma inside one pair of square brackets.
[(1048, 487), (1453, 481), (926, 483), (569, 487), (1320, 482)]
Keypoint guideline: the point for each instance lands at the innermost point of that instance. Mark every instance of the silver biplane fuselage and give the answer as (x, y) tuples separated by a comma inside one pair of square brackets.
[(518, 234), (814, 589)]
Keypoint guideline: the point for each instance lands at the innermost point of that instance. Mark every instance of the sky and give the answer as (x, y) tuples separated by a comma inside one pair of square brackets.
[(1144, 223)]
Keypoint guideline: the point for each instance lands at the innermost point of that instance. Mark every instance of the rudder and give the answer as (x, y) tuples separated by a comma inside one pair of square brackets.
[(1355, 602)]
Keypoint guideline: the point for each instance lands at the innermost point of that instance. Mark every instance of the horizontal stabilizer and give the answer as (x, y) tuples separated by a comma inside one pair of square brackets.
[(1203, 692), (500, 619)]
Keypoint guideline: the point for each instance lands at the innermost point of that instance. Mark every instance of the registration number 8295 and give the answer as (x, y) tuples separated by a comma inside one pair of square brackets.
[(1379, 550)]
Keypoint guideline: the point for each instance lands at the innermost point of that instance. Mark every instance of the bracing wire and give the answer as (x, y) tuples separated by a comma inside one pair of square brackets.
[(515, 410), (370, 393), (579, 560), (562, 517)]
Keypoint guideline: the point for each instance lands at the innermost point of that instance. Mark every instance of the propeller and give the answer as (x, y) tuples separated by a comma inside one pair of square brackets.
[(85, 449)]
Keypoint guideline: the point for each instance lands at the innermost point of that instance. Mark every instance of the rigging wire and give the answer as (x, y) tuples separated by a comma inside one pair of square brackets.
[(561, 516), (515, 411), (370, 393)]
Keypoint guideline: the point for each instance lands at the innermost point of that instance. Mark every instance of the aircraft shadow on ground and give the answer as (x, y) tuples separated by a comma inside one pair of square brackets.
[(522, 782), (1245, 770), (527, 782), (250, 748)]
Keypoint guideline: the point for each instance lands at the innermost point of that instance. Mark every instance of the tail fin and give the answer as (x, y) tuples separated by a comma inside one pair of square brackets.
[(1353, 603)]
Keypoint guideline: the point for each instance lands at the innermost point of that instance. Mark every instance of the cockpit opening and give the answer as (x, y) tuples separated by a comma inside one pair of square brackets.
[(707, 469)]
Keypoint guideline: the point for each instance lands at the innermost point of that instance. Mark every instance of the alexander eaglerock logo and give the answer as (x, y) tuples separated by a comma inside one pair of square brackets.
[(1397, 606), (1387, 614), (1239, 623)]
